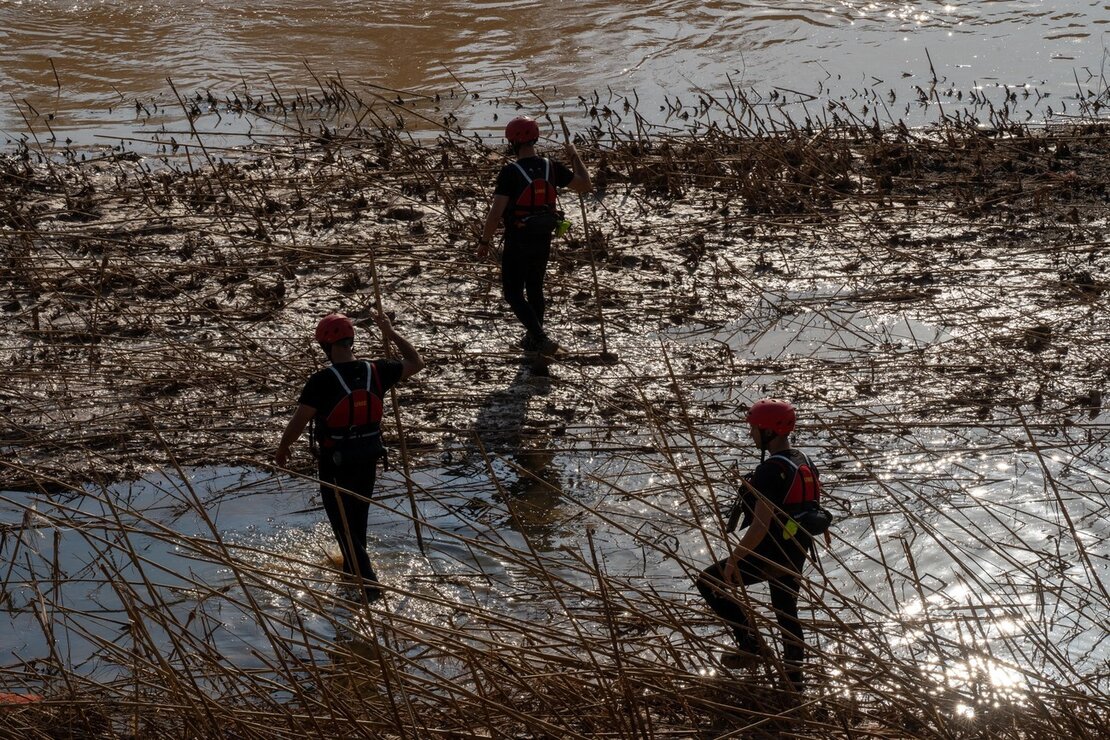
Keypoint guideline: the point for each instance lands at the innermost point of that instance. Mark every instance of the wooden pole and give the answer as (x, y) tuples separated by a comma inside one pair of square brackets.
[(593, 261), (397, 412)]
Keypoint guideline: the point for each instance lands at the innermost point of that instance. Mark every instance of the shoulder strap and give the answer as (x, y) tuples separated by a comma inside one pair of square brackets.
[(527, 179), (369, 374), (791, 463), (785, 459), (350, 399), (806, 497), (339, 377), (547, 169)]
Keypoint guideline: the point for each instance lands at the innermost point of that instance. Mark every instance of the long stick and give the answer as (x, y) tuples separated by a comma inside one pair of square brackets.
[(397, 413), (590, 248)]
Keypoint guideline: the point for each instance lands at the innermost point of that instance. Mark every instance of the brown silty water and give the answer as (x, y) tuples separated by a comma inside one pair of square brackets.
[(99, 68)]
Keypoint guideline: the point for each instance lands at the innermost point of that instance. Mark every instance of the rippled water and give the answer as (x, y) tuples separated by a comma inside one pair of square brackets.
[(108, 53)]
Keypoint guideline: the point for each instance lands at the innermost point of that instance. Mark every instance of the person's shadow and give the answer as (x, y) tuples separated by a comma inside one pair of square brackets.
[(533, 496), (499, 425)]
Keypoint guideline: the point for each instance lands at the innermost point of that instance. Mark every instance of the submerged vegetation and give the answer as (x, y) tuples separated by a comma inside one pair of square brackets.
[(933, 300)]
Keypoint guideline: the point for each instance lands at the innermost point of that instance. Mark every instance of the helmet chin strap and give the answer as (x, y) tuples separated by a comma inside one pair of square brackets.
[(765, 437)]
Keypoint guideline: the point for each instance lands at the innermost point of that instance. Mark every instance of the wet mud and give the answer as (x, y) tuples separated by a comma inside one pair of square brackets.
[(149, 308)]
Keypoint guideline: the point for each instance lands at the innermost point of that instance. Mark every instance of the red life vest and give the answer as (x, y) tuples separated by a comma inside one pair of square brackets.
[(805, 487), (358, 414), (537, 199)]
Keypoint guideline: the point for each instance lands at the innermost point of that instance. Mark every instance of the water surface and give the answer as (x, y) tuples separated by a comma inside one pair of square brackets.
[(78, 68)]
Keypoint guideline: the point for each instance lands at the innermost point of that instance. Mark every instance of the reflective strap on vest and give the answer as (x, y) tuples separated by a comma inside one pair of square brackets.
[(546, 171), (349, 434), (343, 383), (527, 179), (787, 460)]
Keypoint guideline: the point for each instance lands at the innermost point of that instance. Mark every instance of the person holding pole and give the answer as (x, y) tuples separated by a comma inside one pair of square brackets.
[(344, 403), (524, 198), (780, 503)]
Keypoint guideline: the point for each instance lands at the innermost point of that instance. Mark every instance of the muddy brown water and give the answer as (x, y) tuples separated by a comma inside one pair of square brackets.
[(78, 68)]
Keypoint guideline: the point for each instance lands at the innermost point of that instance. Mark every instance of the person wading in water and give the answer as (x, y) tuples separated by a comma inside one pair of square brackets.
[(524, 198), (344, 402), (779, 503)]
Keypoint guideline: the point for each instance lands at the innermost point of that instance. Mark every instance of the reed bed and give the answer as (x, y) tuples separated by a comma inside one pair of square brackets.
[(934, 301)]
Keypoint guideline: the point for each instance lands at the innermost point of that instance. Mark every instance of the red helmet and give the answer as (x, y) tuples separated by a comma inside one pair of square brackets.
[(522, 130), (773, 414), (333, 328)]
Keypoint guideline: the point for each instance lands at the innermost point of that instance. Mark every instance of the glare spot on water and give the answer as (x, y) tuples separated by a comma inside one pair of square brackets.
[(1004, 677), (959, 592), (913, 608), (1008, 626)]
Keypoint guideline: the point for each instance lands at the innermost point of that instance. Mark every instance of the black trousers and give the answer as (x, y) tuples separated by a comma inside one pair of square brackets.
[(783, 583), (348, 516), (523, 268)]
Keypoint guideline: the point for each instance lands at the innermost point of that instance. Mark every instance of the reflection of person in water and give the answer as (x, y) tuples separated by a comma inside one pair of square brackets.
[(538, 491), (500, 428), (499, 424)]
